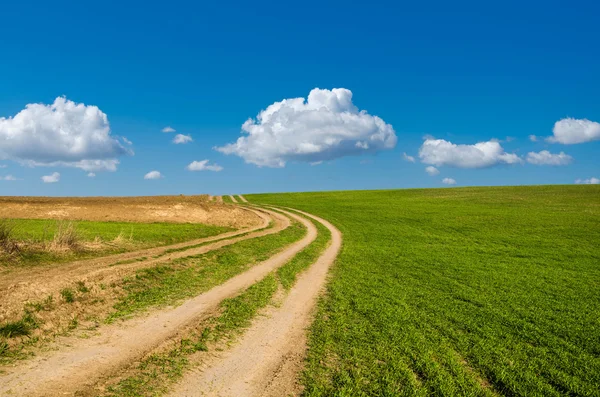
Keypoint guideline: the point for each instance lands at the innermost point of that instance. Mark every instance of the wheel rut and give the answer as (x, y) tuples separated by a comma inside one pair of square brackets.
[(84, 363), (269, 356)]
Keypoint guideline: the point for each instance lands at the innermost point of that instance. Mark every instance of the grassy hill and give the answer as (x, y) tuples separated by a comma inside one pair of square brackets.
[(467, 291)]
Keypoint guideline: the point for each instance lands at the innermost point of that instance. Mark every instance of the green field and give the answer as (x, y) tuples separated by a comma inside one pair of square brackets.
[(469, 291), (31, 234)]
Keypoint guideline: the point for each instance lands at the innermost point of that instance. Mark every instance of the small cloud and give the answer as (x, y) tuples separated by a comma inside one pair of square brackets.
[(591, 181), (203, 166), (8, 178), (533, 138), (91, 175), (3, 165), (431, 170), (440, 153), (509, 139), (153, 175), (546, 158), (316, 163), (408, 158), (182, 139), (168, 129), (127, 141), (53, 178), (448, 181)]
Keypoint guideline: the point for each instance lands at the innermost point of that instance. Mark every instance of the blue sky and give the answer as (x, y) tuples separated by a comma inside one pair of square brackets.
[(461, 72)]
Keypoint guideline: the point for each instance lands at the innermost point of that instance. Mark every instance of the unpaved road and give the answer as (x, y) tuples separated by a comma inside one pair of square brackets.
[(83, 364), (34, 284), (233, 199), (268, 358), (242, 198)]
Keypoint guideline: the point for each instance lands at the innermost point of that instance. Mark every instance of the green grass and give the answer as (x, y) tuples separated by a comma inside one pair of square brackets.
[(137, 236), (156, 372), (159, 233), (227, 200), (470, 291), (190, 276)]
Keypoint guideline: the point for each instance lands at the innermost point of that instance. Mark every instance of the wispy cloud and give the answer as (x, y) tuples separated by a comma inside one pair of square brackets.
[(153, 175), (168, 129), (182, 139), (52, 178), (203, 166)]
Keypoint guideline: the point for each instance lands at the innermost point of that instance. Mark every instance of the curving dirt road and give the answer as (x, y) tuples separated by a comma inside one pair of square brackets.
[(233, 199), (78, 367), (242, 198), (34, 284), (269, 357)]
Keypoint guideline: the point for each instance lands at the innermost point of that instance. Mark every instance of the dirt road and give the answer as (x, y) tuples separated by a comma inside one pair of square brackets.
[(34, 284), (233, 199), (268, 358), (80, 364), (242, 198)]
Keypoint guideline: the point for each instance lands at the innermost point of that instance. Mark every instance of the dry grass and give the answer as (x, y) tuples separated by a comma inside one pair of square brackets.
[(8, 245), (65, 238)]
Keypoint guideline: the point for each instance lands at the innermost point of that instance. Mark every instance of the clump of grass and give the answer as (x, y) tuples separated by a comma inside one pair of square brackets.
[(66, 237), (81, 287), (15, 328), (8, 245), (68, 295)]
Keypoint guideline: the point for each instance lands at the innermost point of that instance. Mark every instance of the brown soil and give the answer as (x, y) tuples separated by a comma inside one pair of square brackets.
[(270, 355), (34, 285), (80, 364), (233, 199), (242, 198), (177, 209)]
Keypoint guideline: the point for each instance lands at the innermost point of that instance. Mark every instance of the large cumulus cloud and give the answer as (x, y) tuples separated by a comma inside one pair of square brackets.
[(63, 133), (440, 152), (325, 126)]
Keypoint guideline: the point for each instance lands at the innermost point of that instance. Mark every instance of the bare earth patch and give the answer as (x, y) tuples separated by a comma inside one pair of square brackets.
[(177, 209)]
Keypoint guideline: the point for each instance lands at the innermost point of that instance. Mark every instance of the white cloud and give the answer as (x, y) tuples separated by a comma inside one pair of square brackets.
[(127, 141), (153, 175), (448, 181), (408, 158), (180, 139), (168, 129), (546, 158), (203, 166), (483, 154), (533, 138), (52, 178), (8, 178), (316, 163), (591, 181), (91, 175), (325, 126), (63, 133), (570, 131), (431, 170)]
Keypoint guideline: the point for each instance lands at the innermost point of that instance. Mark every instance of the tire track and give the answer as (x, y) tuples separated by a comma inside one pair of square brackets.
[(242, 198), (36, 284), (269, 357), (233, 199), (86, 362)]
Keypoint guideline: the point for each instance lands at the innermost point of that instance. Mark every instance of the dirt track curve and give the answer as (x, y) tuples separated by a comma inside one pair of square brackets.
[(269, 357), (242, 198), (81, 364), (233, 199), (33, 284)]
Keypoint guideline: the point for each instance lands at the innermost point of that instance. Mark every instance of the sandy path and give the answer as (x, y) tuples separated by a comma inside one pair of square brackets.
[(242, 198), (220, 199), (270, 355), (35, 284), (233, 199), (85, 362)]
